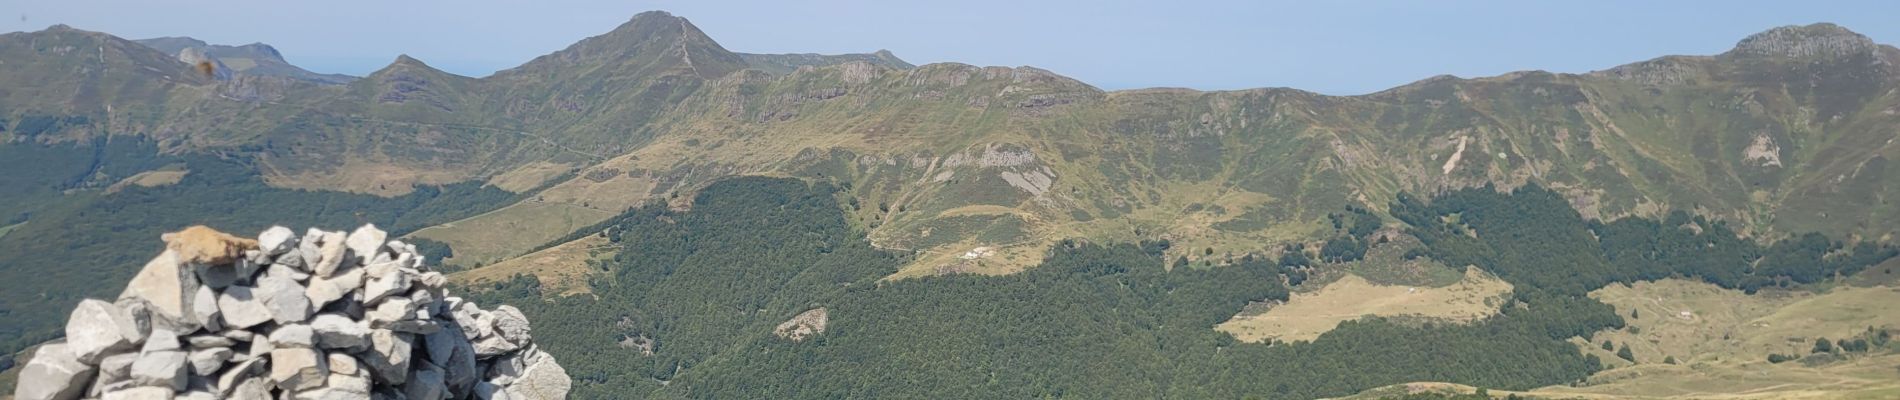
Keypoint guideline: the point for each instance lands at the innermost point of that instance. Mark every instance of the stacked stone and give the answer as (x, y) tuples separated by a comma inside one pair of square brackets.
[(329, 315)]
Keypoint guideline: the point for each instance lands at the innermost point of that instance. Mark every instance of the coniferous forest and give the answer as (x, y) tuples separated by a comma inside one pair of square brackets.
[(704, 288)]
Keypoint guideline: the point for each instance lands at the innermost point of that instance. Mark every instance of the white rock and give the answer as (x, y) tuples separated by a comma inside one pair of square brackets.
[(390, 311), (335, 331), (324, 290), (388, 356), (392, 282), (166, 285), (295, 369), (235, 375), (366, 240), (165, 368), (310, 249), (284, 298), (161, 340), (512, 325), (97, 329), (330, 254), (342, 363), (204, 309), (115, 372), (206, 362), (241, 309), (276, 240), (140, 393), (53, 374), (543, 379), (339, 387), (493, 345), (294, 335), (206, 341)]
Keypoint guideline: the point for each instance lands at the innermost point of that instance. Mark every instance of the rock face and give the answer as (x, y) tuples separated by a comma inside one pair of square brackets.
[(329, 315)]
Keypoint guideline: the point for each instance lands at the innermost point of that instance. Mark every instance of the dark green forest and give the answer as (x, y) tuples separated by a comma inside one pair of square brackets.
[(78, 242), (704, 288)]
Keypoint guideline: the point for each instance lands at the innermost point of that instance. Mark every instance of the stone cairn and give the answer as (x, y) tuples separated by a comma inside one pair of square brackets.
[(326, 316)]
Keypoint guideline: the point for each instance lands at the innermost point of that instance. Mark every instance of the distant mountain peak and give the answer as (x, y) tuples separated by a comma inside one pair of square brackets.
[(1820, 40), (252, 59)]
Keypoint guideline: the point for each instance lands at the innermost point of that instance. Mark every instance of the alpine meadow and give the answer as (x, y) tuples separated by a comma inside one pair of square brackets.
[(679, 220)]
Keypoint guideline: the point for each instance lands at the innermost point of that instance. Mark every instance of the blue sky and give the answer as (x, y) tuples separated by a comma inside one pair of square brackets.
[(1333, 47)]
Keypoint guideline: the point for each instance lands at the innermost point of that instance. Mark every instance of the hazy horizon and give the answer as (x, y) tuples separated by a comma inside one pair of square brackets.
[(1339, 49)]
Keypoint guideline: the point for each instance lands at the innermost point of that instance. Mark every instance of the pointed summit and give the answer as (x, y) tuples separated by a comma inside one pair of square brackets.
[(650, 43), (1821, 40)]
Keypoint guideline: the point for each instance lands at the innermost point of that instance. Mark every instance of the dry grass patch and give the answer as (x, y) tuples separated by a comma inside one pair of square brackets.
[(1722, 337), (561, 269), (149, 179), (529, 176), (510, 231), (1308, 315)]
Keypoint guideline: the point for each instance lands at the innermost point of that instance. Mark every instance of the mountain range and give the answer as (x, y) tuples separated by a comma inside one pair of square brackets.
[(972, 169)]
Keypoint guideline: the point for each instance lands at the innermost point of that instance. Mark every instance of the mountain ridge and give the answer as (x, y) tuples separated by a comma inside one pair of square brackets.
[(656, 107)]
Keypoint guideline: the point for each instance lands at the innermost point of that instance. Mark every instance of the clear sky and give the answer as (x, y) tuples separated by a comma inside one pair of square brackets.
[(1333, 47)]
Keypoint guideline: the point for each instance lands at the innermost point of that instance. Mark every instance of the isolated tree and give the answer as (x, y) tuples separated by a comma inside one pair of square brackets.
[(1607, 346), (1671, 360), (1823, 346), (1625, 354)]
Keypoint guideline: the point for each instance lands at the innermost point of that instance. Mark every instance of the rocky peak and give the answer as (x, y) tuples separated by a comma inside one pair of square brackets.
[(1821, 40)]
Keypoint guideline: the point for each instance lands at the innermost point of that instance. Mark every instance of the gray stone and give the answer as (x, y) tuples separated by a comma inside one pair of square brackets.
[(115, 373), (426, 384), (284, 298), (366, 241), (237, 374), (296, 369), (206, 362), (488, 391), (293, 336), (258, 388), (391, 283), (241, 309), (343, 363), (324, 290), (292, 259), (512, 325), (166, 368), (166, 285), (140, 393), (335, 331), (97, 329), (390, 311), (54, 373), (161, 340), (238, 335), (493, 345), (339, 387), (219, 276), (206, 341), (276, 240), (196, 395), (285, 271), (309, 249), (452, 351), (330, 254), (388, 356), (543, 379), (204, 309)]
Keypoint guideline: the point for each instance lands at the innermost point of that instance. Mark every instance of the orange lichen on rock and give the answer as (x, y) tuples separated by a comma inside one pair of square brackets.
[(200, 244)]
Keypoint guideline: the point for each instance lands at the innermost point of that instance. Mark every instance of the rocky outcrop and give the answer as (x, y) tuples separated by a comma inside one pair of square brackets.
[(330, 315)]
